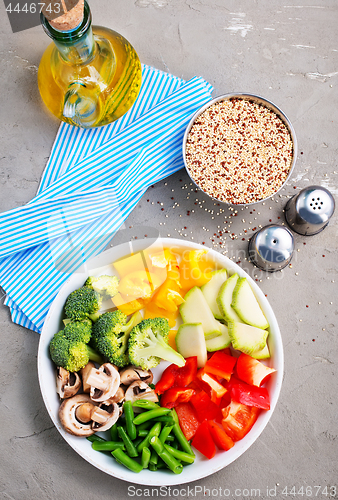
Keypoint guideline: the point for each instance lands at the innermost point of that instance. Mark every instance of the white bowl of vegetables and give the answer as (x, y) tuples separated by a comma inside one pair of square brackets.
[(238, 350)]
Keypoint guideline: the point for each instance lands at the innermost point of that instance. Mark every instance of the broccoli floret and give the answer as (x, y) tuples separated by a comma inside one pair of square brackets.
[(148, 344), (110, 322), (83, 303), (111, 334), (71, 353), (78, 330), (106, 285), (110, 338)]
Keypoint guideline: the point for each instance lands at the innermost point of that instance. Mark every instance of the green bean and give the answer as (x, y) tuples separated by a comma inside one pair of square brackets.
[(154, 431), (113, 432), (165, 418), (145, 404), (107, 445), (129, 415), (145, 457), (125, 460), (151, 414), (122, 421), (94, 437), (180, 455), (154, 457), (143, 432), (174, 444), (182, 440), (160, 464), (130, 447), (172, 463), (170, 438), (137, 441), (165, 433), (145, 425), (175, 416)]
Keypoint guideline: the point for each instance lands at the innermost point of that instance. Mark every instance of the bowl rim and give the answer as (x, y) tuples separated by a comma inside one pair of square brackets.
[(258, 100), (83, 448)]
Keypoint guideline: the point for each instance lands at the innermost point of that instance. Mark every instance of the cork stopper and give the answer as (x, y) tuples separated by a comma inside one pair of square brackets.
[(71, 18)]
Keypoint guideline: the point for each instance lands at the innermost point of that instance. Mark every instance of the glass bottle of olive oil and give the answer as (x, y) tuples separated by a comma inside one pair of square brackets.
[(89, 76)]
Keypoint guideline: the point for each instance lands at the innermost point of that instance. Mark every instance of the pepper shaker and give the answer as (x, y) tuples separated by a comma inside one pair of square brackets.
[(271, 248)]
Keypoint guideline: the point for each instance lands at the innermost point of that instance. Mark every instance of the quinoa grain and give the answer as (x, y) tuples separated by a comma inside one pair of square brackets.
[(239, 152)]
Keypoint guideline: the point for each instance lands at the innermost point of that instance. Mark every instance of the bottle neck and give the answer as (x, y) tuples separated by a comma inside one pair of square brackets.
[(76, 46), (80, 50)]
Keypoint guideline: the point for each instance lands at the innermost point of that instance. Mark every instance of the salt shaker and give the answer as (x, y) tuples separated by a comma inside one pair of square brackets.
[(309, 211)]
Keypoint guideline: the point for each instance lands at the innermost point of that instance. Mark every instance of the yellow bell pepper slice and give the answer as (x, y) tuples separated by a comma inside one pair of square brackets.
[(173, 271), (139, 284), (151, 310), (129, 264), (168, 295), (127, 307), (162, 262), (194, 271), (171, 339), (156, 270), (155, 258)]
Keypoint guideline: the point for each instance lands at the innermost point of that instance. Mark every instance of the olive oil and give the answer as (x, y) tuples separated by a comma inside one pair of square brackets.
[(89, 76)]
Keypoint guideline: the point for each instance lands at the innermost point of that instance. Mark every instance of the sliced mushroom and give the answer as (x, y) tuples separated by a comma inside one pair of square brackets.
[(101, 417), (104, 382), (69, 415), (84, 375), (118, 397), (104, 416), (132, 373), (67, 383), (84, 412), (140, 390)]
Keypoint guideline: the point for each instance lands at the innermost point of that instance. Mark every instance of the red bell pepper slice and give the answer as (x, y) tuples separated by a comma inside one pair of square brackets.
[(196, 385), (249, 395), (214, 398), (175, 376), (225, 400), (205, 408), (212, 384), (203, 441), (175, 395), (187, 373), (167, 380), (187, 419), (252, 371), (220, 437), (226, 350), (221, 365), (199, 385), (238, 419)]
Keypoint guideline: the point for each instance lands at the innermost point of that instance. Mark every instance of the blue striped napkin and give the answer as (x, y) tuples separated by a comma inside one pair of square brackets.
[(93, 180)]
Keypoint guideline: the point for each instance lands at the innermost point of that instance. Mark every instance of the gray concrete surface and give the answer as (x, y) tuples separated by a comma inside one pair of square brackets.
[(288, 52)]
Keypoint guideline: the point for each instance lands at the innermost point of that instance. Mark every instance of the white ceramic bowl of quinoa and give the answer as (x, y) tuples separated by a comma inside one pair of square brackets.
[(239, 149)]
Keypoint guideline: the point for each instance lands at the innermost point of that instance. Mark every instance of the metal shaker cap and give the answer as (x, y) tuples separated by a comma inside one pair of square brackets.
[(271, 248), (309, 211)]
